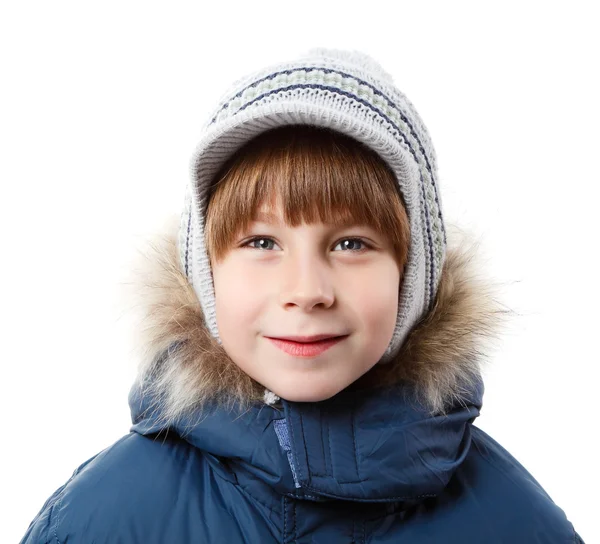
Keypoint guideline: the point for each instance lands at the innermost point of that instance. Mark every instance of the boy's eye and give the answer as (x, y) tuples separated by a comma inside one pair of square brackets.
[(348, 244), (351, 244), (262, 242)]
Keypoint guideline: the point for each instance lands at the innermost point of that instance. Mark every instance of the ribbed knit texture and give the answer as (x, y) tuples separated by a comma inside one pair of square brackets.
[(349, 92)]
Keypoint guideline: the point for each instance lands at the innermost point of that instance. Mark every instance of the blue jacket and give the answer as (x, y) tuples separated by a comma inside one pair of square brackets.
[(372, 464)]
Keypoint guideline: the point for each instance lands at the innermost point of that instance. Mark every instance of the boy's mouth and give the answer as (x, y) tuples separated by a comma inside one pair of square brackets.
[(307, 339), (306, 348)]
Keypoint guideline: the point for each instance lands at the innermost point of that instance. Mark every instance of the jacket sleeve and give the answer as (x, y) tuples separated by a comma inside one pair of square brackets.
[(41, 529), (44, 527)]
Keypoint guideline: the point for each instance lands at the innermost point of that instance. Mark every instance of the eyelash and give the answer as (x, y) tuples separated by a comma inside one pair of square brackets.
[(361, 240)]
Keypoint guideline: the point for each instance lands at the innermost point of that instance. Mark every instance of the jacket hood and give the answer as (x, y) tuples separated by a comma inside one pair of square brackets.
[(397, 433)]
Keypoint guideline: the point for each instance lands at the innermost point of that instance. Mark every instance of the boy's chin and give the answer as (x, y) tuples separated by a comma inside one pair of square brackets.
[(307, 393)]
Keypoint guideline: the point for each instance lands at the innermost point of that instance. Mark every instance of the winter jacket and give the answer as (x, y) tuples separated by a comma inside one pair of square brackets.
[(369, 465)]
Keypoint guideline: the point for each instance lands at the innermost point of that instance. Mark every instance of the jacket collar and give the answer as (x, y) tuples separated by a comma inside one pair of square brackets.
[(398, 433), (370, 446)]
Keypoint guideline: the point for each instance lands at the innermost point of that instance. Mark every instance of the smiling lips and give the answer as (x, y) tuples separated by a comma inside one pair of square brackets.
[(306, 348)]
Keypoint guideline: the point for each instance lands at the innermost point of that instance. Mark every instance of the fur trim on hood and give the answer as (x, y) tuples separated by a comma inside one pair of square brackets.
[(183, 366)]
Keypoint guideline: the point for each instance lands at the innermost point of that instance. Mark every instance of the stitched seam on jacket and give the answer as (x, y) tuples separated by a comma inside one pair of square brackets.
[(356, 464), (245, 490), (333, 471), (381, 499), (57, 502), (295, 526), (284, 520), (304, 444), (576, 538), (321, 433), (354, 441), (358, 532), (57, 505), (314, 473), (332, 475), (329, 449), (46, 508), (299, 469)]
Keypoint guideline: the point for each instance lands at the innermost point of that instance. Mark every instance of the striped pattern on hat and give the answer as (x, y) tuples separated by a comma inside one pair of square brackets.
[(349, 92)]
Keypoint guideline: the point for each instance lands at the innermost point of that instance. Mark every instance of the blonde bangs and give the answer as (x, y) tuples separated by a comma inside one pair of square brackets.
[(318, 174)]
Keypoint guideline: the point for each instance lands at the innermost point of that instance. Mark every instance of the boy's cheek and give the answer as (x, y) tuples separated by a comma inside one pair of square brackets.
[(240, 290), (240, 303)]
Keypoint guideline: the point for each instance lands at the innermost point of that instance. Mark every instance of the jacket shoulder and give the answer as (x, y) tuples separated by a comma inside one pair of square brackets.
[(515, 503), (122, 494)]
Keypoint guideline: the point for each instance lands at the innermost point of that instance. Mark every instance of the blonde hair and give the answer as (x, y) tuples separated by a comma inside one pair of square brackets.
[(319, 174)]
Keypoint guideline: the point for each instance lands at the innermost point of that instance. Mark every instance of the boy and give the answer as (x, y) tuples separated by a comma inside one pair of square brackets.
[(312, 343)]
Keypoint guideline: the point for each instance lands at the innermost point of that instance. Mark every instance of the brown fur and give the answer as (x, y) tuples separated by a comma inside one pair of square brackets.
[(442, 356)]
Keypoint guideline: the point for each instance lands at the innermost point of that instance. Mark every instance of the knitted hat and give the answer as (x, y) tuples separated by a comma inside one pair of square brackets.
[(349, 92)]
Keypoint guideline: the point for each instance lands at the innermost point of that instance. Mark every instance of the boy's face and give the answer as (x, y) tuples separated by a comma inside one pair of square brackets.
[(304, 281)]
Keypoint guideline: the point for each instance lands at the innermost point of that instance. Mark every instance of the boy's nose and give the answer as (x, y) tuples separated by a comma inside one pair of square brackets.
[(306, 283)]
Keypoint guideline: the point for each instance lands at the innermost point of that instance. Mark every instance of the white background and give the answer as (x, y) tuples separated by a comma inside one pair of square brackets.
[(101, 107)]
